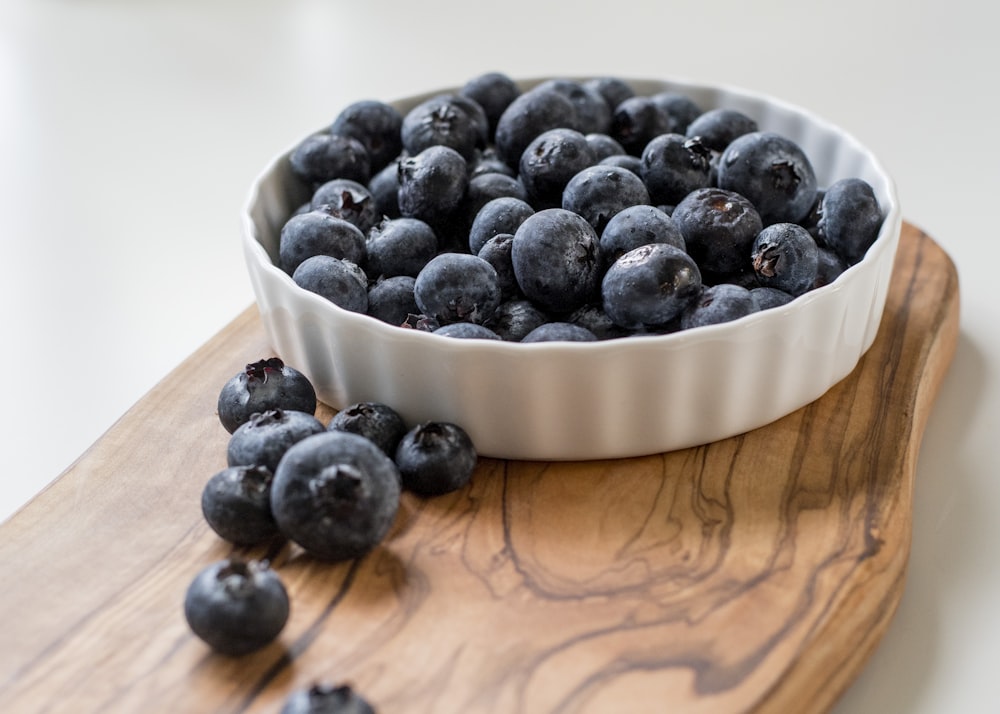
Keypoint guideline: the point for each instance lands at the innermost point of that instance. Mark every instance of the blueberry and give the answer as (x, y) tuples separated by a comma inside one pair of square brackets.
[(349, 200), (829, 267), (435, 458), (531, 113), (432, 183), (457, 287), (493, 91), (623, 161), (399, 246), (767, 298), (673, 166), (515, 318), (335, 279), (325, 699), (421, 323), (266, 436), (440, 121), (603, 146), (500, 215), (550, 161), (483, 189), (467, 331), (613, 90), (318, 233), (557, 259), (718, 127), (784, 256), (681, 109), (236, 504), (262, 385), (376, 125), (236, 607), (635, 226), (560, 332), (593, 115), (771, 171), (384, 189), (719, 228), (596, 320), (637, 121), (717, 304), (487, 161), (497, 251), (336, 495), (322, 157), (850, 218), (599, 192), (391, 299), (649, 286), (375, 421)]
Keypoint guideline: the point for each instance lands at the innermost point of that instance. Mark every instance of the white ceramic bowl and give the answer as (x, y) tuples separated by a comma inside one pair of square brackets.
[(616, 398)]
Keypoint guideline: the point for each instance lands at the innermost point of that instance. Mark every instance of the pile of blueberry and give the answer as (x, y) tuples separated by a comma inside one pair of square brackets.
[(333, 489), (574, 210)]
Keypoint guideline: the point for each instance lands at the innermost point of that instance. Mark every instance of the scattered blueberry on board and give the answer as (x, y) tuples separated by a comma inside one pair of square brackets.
[(326, 699), (262, 385), (479, 162), (236, 607)]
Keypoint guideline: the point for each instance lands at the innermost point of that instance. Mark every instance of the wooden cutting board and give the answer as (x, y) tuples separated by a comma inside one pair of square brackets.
[(753, 574)]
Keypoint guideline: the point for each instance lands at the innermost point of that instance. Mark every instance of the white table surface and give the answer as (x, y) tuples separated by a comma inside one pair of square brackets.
[(130, 132)]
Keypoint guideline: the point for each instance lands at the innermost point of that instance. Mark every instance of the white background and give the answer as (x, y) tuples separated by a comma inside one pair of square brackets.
[(130, 133)]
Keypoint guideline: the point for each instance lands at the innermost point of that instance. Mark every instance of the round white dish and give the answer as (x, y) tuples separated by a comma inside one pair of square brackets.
[(610, 399)]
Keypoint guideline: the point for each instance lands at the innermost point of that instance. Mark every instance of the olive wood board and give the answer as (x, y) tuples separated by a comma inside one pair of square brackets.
[(757, 573)]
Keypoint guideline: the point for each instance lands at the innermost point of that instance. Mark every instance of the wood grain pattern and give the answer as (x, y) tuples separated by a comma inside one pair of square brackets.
[(753, 574)]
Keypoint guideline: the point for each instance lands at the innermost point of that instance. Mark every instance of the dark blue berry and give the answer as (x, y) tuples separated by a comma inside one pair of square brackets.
[(440, 121), (266, 436), (560, 332), (500, 215), (391, 300), (719, 228), (637, 121), (596, 320), (336, 495), (399, 246), (785, 256), (483, 189), (432, 183), (599, 192), (236, 607), (531, 113), (467, 331), (718, 127), (613, 90), (550, 161), (717, 304), (349, 200), (623, 161), (436, 458), (335, 279), (681, 109), (515, 318), (236, 504), (650, 286), (672, 166), (262, 385), (324, 699), (557, 259), (384, 189), (603, 146), (487, 161), (850, 218), (376, 125), (373, 420), (767, 298), (318, 233), (497, 251), (493, 91), (635, 226), (593, 115), (457, 287), (322, 157), (771, 171), (829, 267)]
